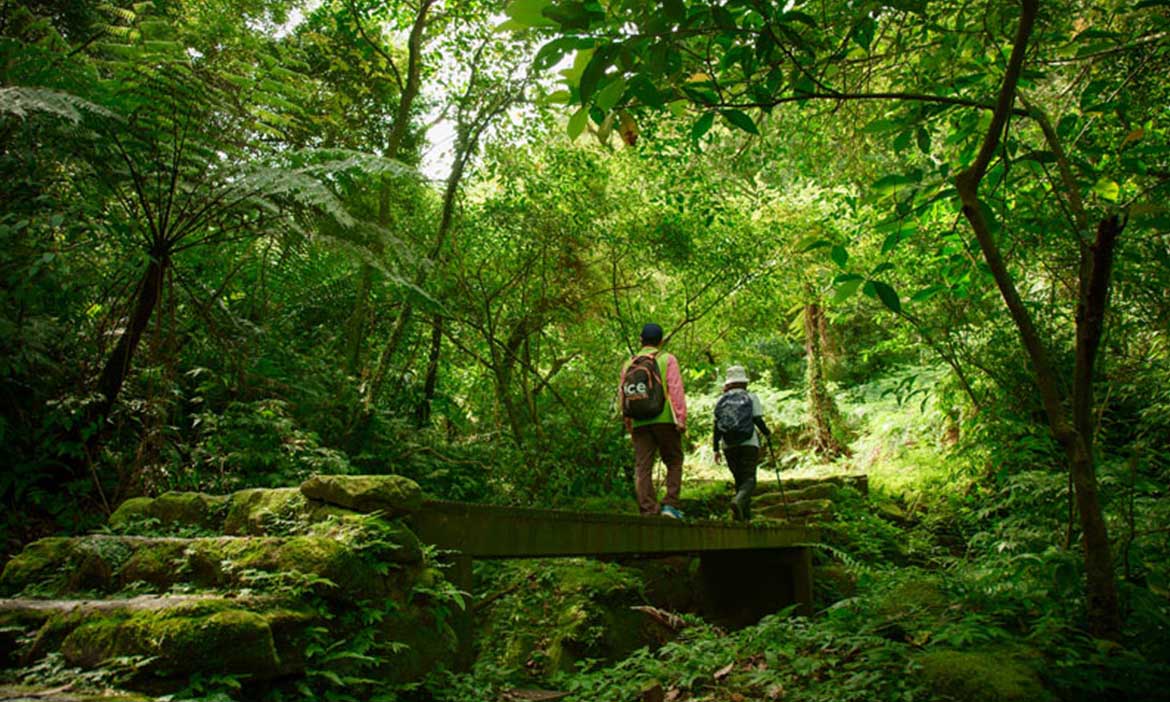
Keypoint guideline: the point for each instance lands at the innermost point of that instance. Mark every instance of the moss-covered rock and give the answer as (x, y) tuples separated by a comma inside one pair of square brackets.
[(209, 636), (263, 511), (559, 612), (57, 565), (982, 676), (177, 510), (131, 513), (25, 693), (160, 564), (190, 509), (393, 495), (17, 625)]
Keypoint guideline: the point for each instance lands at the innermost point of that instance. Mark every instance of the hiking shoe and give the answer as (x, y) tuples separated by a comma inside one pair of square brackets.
[(672, 512)]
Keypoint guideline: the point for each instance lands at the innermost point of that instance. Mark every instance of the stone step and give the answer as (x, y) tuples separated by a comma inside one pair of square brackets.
[(857, 482), (802, 509), (65, 693), (812, 492), (264, 511), (106, 564), (180, 634)]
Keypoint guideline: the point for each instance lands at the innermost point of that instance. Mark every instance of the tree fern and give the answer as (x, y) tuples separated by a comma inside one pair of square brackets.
[(23, 101)]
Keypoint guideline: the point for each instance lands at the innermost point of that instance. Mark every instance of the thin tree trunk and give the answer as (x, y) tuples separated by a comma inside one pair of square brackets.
[(423, 411), (820, 405), (356, 326), (117, 366), (1075, 436)]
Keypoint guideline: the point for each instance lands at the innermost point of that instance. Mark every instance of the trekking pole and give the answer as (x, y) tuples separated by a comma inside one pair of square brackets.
[(779, 482)]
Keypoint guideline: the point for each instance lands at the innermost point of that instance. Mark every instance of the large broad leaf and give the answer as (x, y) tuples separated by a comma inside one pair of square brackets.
[(608, 96), (702, 125), (892, 183), (529, 13), (811, 243), (740, 120), (577, 122), (594, 70), (887, 295), (839, 255), (845, 291), (1107, 189)]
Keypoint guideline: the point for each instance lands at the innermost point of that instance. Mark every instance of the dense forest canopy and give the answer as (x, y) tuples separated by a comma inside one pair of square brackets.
[(935, 233)]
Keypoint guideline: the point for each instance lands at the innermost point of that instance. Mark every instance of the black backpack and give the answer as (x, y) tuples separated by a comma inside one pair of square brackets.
[(733, 416), (643, 395)]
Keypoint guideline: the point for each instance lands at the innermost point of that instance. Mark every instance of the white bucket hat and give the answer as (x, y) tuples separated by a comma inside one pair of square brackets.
[(735, 374)]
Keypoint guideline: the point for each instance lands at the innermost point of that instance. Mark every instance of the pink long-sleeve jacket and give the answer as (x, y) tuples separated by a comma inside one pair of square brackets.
[(675, 394)]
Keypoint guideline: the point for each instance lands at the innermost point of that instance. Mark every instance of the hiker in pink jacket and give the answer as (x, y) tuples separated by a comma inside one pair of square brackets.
[(655, 410)]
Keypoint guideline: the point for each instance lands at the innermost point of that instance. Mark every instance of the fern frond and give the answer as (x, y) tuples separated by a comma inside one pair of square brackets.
[(21, 101)]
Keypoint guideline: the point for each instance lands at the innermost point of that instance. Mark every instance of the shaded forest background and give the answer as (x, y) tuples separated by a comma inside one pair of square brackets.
[(224, 267)]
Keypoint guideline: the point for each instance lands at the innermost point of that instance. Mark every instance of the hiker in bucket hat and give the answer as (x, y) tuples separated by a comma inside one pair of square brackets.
[(739, 421)]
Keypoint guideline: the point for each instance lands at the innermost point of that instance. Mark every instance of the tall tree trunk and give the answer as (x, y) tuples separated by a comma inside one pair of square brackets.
[(356, 326), (402, 322), (423, 411), (118, 364), (820, 404), (1075, 435)]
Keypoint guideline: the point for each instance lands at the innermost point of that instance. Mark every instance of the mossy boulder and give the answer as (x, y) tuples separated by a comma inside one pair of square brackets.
[(208, 636), (262, 511), (132, 512), (16, 625), (190, 509), (983, 676), (172, 509), (61, 564), (392, 495), (298, 561)]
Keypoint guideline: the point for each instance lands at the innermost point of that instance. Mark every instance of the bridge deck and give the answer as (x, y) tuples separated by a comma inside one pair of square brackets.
[(491, 531)]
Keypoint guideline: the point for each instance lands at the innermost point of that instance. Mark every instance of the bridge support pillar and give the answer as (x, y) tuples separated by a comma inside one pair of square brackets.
[(742, 586), (463, 621)]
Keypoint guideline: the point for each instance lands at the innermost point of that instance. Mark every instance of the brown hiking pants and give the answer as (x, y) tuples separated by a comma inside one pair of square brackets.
[(649, 442)]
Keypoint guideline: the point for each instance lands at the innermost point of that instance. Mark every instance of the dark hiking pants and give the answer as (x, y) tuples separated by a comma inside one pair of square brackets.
[(650, 442), (742, 460)]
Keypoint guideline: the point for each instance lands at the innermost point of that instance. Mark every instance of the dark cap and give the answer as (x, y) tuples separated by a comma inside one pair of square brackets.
[(652, 334)]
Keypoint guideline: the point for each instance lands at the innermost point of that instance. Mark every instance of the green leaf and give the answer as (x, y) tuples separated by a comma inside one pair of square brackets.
[(798, 16), (610, 94), (845, 291), (891, 241), (702, 125), (927, 293), (577, 122), (839, 255), (811, 243), (845, 278), (529, 13), (594, 70), (863, 32), (892, 183), (887, 295), (881, 268), (740, 120), (923, 140), (1107, 189)]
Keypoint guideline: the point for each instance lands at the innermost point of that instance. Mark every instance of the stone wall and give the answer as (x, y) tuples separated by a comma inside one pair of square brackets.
[(314, 586)]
